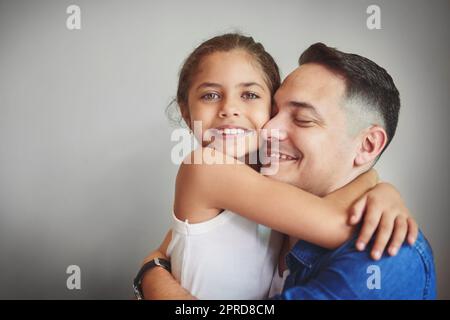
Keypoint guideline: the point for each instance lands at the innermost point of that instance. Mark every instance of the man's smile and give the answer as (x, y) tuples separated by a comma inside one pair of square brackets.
[(283, 157)]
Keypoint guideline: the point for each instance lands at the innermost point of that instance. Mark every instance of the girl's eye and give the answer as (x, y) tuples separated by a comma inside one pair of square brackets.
[(210, 96), (250, 95)]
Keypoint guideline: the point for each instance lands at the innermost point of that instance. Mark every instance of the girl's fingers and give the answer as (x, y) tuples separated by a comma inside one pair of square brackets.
[(413, 230), (371, 221), (383, 235), (358, 210), (399, 235)]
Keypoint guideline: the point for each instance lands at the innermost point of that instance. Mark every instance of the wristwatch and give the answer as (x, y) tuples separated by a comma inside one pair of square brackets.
[(137, 283)]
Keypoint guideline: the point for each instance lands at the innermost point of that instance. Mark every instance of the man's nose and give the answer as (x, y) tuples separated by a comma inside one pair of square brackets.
[(229, 108), (275, 129)]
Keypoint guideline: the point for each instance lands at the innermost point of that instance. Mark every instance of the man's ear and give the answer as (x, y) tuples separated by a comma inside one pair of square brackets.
[(371, 143)]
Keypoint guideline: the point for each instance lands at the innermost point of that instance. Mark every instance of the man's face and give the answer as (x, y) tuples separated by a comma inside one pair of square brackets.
[(316, 150)]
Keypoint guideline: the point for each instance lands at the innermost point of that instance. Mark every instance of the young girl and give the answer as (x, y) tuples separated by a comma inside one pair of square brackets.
[(218, 246)]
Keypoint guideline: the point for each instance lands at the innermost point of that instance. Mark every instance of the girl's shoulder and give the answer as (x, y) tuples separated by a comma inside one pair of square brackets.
[(191, 188)]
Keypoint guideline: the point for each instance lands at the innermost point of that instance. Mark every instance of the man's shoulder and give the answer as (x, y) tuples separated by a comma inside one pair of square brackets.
[(419, 252), (420, 248), (410, 272)]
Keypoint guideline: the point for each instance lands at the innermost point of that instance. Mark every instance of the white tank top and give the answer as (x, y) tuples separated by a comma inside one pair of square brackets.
[(227, 257)]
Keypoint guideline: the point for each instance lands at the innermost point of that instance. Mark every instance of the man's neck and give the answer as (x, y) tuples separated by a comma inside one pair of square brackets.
[(339, 184)]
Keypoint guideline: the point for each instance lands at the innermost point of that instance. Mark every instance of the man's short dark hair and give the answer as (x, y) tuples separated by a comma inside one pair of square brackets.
[(364, 79)]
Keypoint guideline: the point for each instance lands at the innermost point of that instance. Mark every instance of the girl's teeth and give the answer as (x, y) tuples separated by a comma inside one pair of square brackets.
[(233, 131)]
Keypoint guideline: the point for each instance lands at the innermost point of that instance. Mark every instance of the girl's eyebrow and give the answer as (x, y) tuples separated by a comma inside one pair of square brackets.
[(249, 84), (216, 85), (208, 84)]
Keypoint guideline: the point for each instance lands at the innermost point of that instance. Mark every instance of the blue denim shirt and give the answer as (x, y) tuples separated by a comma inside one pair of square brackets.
[(346, 273)]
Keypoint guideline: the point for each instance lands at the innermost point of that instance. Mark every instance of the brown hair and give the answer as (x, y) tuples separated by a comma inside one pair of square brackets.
[(225, 43), (363, 78)]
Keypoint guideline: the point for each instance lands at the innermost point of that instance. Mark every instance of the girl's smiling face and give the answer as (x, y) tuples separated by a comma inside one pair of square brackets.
[(230, 96)]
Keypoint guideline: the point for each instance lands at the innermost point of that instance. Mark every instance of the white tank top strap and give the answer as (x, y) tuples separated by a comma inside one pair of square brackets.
[(185, 227)]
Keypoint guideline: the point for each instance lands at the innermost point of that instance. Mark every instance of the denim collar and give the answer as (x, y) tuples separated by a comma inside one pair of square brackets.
[(306, 253)]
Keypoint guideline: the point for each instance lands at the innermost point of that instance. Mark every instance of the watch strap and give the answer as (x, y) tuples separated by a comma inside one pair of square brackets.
[(137, 283)]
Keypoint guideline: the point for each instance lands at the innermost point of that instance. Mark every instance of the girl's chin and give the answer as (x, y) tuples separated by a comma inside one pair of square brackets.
[(234, 148), (245, 155)]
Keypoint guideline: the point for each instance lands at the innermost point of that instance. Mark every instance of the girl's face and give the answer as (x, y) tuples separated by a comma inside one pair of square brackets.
[(231, 99)]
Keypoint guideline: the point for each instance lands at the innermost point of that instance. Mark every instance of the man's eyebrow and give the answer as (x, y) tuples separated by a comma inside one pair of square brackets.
[(306, 105)]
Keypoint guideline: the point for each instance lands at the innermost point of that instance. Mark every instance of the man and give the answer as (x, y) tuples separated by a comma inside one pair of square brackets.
[(335, 115)]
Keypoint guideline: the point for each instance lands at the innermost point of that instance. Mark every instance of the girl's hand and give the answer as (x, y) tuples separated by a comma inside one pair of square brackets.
[(383, 210)]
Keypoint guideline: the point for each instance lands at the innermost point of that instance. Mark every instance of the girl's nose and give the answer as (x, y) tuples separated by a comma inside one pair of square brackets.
[(229, 109), (225, 114)]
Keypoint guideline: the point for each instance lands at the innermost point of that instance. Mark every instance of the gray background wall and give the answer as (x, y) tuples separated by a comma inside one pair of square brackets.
[(85, 170)]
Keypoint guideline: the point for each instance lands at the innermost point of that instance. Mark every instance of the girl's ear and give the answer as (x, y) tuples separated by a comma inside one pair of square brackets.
[(184, 110), (372, 143)]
